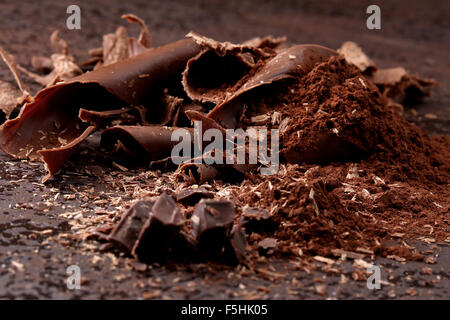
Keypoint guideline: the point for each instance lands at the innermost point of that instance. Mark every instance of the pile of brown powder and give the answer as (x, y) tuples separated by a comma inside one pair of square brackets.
[(379, 177)]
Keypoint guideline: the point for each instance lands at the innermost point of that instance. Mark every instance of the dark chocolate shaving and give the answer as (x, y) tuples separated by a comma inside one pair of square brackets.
[(143, 143), (235, 247)]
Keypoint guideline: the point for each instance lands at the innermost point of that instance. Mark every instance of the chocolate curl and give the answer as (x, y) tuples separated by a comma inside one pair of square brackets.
[(235, 247), (54, 111), (219, 68), (353, 54), (142, 142), (297, 58), (61, 63), (402, 87)]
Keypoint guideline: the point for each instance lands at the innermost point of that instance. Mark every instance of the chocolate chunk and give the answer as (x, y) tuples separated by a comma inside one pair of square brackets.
[(155, 237), (193, 195), (125, 234), (212, 222), (235, 247), (257, 220)]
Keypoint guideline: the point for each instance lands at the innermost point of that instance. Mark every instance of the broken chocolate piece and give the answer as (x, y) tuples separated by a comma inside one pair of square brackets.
[(235, 247), (100, 117), (159, 230), (191, 196), (125, 234), (212, 222), (257, 220), (118, 46)]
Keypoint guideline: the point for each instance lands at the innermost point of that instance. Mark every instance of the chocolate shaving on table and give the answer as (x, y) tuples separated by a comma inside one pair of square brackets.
[(299, 58), (143, 143), (12, 65), (54, 111), (160, 229), (100, 117), (212, 222), (197, 171), (126, 232), (42, 64), (63, 66)]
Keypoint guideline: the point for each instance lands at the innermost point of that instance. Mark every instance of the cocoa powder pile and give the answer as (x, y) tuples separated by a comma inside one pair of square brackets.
[(360, 175)]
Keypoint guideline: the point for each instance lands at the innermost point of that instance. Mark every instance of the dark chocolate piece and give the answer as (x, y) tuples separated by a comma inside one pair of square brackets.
[(257, 220), (191, 196), (212, 222), (219, 68), (159, 230), (125, 234)]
